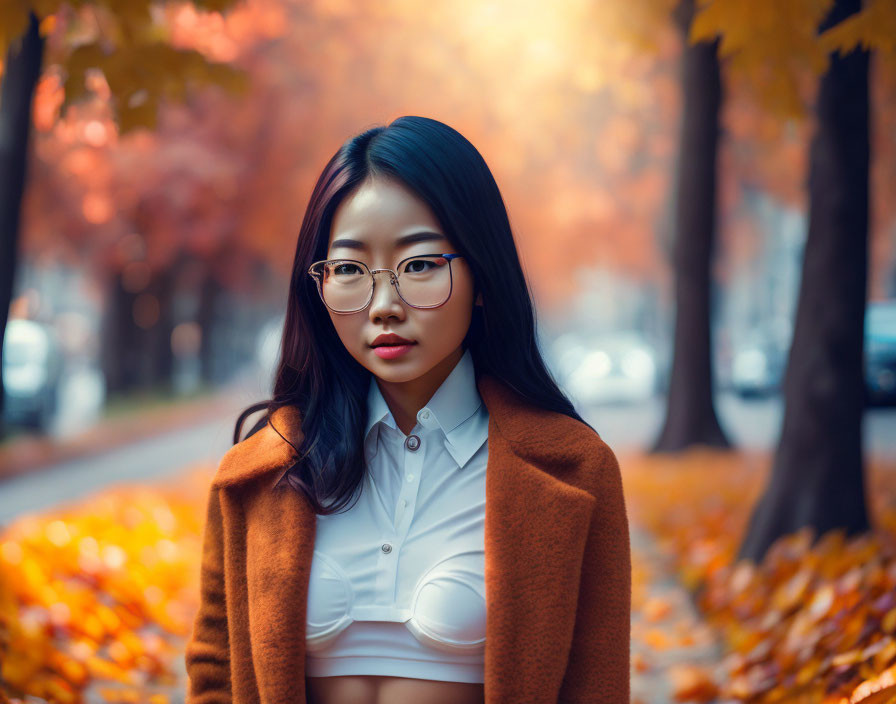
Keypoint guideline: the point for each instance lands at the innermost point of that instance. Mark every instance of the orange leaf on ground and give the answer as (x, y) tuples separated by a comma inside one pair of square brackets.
[(692, 684)]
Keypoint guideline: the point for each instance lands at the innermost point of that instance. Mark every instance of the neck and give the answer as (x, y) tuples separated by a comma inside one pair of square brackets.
[(406, 398)]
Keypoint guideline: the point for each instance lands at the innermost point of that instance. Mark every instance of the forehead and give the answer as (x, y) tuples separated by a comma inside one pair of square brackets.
[(379, 212)]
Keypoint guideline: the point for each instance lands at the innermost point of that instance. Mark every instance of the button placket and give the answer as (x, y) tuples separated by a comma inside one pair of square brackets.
[(390, 547), (413, 466), (389, 557)]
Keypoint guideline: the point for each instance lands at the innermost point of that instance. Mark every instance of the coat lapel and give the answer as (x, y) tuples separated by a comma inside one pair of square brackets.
[(536, 526)]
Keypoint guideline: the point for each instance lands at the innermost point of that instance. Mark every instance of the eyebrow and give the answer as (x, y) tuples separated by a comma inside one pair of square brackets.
[(423, 236)]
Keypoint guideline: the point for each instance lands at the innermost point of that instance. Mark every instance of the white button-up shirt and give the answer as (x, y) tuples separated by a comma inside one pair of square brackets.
[(397, 581)]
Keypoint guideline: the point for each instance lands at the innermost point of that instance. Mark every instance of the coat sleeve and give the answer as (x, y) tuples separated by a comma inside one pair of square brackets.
[(598, 669), (207, 654)]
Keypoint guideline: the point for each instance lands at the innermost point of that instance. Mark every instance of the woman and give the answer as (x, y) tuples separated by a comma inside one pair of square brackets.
[(484, 552)]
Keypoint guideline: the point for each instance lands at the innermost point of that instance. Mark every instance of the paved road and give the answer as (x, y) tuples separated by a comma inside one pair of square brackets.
[(156, 458), (753, 424)]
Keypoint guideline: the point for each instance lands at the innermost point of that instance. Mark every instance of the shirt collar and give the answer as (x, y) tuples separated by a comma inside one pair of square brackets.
[(544, 441), (453, 403)]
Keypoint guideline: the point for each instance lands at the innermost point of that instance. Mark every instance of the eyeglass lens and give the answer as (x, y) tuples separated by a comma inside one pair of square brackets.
[(422, 281)]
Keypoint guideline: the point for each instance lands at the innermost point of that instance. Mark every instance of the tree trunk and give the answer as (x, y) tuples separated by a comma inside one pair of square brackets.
[(817, 477), (120, 348), (690, 413), (159, 347), (206, 317), (20, 73)]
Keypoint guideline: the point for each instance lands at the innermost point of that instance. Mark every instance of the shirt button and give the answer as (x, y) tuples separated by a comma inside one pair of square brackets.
[(412, 443), (387, 548), (410, 477), (404, 502), (424, 415)]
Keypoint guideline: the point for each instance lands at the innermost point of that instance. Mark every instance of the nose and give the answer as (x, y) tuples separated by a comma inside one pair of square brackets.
[(386, 301)]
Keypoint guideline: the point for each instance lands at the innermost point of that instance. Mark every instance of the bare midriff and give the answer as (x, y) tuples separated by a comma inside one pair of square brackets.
[(382, 689)]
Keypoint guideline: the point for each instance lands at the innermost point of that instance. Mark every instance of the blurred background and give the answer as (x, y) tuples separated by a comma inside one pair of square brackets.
[(702, 197)]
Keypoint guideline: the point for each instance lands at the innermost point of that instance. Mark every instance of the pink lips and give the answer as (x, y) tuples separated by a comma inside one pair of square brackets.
[(391, 351)]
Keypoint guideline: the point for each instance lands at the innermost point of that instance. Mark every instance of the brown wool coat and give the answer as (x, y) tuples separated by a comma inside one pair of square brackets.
[(557, 566)]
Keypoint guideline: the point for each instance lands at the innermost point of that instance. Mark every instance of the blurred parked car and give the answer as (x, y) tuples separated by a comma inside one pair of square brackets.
[(757, 366), (612, 368), (32, 365), (880, 353)]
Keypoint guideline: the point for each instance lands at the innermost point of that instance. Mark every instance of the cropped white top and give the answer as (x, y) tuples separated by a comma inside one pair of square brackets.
[(397, 581)]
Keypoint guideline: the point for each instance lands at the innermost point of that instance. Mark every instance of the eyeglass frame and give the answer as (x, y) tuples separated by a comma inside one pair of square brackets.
[(393, 280)]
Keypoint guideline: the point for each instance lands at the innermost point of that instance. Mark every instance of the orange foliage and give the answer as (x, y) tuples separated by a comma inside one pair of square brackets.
[(574, 105), (101, 594), (813, 622)]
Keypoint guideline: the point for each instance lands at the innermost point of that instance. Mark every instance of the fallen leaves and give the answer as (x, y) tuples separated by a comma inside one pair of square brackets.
[(815, 622), (98, 597)]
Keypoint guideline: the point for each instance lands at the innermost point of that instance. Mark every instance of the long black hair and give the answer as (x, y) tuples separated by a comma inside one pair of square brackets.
[(315, 372)]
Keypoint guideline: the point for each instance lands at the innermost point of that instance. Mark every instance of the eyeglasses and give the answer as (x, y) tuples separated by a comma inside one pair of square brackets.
[(422, 281)]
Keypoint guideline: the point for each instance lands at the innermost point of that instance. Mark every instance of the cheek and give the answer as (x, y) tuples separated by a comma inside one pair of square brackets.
[(452, 325), (348, 329)]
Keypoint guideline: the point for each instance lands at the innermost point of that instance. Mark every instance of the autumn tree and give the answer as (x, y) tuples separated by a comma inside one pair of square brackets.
[(818, 477), (20, 75), (690, 411), (129, 49)]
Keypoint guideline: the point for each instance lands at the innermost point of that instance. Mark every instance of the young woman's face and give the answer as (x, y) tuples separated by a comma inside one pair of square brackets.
[(375, 216)]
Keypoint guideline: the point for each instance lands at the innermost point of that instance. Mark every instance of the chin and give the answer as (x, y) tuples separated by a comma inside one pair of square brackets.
[(398, 371), (395, 375)]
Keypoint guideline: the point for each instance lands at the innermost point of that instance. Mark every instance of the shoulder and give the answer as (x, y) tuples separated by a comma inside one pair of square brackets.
[(598, 467), (557, 444), (261, 454), (553, 436), (569, 450), (604, 470)]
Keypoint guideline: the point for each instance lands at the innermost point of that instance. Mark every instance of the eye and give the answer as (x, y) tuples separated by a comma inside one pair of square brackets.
[(346, 269), (419, 266)]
